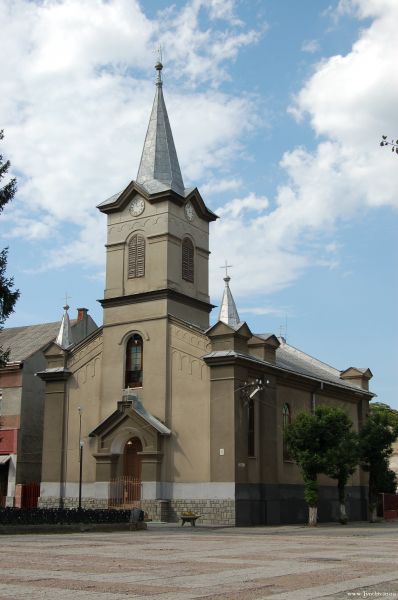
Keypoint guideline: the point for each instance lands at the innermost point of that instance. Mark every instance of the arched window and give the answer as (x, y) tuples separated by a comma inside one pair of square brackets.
[(136, 256), (133, 377), (286, 420), (187, 260), (250, 429)]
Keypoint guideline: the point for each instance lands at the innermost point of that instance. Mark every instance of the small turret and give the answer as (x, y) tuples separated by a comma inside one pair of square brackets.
[(228, 312), (64, 337)]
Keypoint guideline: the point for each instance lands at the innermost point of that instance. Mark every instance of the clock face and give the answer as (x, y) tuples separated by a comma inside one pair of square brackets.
[(137, 206), (189, 211)]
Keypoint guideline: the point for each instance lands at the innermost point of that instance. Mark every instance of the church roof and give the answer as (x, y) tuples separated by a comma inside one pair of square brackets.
[(159, 169), (292, 360), (24, 341)]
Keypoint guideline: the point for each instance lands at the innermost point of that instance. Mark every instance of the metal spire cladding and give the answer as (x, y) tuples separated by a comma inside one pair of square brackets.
[(64, 337), (159, 170), (228, 312)]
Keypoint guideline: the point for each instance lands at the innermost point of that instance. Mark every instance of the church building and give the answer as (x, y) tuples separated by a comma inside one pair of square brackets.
[(159, 410)]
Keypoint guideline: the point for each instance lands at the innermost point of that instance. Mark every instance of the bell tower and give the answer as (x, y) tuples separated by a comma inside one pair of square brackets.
[(158, 232)]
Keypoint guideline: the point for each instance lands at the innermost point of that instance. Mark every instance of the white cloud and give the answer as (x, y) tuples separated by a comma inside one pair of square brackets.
[(234, 208), (199, 53), (219, 186), (264, 310), (350, 100), (75, 108)]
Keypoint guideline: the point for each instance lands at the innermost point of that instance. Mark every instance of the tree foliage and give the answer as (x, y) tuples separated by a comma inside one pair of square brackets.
[(8, 296), (342, 458), (322, 442), (392, 414)]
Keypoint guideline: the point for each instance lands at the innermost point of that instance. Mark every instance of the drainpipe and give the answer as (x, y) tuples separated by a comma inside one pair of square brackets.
[(313, 396)]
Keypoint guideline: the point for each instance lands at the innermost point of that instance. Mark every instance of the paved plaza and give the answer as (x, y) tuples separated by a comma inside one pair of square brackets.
[(171, 562)]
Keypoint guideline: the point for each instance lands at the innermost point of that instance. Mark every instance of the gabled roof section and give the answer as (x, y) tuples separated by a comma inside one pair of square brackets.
[(159, 169), (132, 403), (118, 201), (355, 372), (221, 328), (265, 338)]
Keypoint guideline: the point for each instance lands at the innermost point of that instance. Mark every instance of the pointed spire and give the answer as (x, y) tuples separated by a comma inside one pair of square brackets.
[(159, 169), (64, 337), (228, 312)]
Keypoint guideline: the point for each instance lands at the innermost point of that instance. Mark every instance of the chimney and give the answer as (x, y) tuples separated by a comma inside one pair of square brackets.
[(82, 314)]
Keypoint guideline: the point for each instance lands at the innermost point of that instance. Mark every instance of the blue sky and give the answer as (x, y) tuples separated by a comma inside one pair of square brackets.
[(277, 108)]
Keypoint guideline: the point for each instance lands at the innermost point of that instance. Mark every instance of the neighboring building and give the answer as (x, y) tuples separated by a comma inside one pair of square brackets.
[(173, 414), (21, 403)]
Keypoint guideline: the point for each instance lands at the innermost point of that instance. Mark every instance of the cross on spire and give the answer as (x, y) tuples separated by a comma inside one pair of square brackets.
[(66, 300), (160, 54), (226, 267)]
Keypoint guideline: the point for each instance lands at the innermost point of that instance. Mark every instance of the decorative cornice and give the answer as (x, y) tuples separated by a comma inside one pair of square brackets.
[(60, 374), (164, 294)]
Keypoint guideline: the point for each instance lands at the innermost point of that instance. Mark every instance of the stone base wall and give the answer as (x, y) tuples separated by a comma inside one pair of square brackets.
[(54, 502), (213, 512)]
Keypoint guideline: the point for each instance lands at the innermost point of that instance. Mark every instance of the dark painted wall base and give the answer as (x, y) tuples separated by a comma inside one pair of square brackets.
[(260, 504)]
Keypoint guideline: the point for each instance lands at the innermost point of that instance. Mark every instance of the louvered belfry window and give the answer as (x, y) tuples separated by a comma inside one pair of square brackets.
[(136, 258), (187, 260)]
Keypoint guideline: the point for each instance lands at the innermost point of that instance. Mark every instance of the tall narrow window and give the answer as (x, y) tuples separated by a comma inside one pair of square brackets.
[(286, 420), (133, 376), (250, 429), (187, 260), (136, 256)]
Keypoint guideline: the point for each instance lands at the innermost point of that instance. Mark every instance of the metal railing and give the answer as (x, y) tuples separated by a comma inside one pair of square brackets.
[(124, 492)]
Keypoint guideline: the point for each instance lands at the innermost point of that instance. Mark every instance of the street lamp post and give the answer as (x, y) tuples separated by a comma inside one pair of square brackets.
[(80, 472), (81, 444)]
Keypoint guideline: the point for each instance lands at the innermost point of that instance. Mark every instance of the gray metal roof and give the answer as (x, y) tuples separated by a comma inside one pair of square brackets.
[(110, 200), (292, 360), (228, 312), (159, 169), (24, 341), (139, 408)]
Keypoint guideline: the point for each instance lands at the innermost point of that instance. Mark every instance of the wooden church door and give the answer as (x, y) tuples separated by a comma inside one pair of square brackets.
[(132, 470)]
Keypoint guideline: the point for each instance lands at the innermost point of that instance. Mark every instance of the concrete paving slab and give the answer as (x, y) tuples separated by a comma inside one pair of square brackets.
[(168, 562)]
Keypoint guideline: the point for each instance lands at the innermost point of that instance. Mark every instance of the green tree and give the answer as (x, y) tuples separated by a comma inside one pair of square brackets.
[(375, 446), (310, 440), (342, 459), (323, 442), (8, 296), (380, 407)]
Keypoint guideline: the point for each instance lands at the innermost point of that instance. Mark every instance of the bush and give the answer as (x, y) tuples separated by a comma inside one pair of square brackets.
[(58, 516)]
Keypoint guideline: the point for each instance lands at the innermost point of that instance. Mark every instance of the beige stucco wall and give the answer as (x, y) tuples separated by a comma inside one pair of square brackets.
[(164, 225), (83, 390), (188, 410)]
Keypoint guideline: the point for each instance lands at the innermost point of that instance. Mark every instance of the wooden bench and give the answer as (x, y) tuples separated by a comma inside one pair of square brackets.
[(189, 519)]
